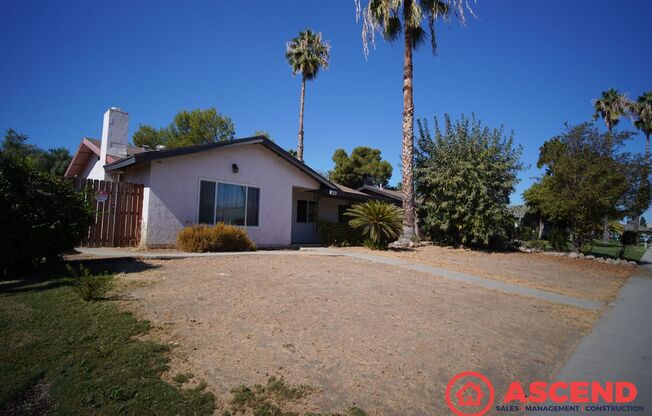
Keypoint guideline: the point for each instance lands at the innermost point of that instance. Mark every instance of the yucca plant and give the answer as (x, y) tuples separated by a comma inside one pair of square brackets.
[(379, 221)]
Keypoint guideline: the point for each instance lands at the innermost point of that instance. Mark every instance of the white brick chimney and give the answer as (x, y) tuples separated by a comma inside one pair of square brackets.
[(114, 135)]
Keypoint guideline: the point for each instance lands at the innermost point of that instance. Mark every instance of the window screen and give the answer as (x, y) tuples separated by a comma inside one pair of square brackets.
[(253, 206), (206, 202)]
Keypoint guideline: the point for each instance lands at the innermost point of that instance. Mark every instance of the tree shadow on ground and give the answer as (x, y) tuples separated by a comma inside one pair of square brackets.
[(56, 276)]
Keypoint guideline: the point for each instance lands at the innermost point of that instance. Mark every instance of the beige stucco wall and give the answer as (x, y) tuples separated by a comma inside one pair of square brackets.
[(172, 193)]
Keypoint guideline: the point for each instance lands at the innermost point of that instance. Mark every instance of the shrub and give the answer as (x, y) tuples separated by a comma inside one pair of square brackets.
[(559, 239), (90, 287), (42, 215), (379, 222), (219, 237), (526, 233), (338, 234)]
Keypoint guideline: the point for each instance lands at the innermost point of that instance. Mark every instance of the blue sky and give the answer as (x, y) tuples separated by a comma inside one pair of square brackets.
[(529, 66)]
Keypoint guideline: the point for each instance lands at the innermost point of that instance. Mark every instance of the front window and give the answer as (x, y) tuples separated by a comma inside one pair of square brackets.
[(227, 203), (306, 211)]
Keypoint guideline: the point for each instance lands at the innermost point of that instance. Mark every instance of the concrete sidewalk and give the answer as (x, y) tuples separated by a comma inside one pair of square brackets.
[(620, 346)]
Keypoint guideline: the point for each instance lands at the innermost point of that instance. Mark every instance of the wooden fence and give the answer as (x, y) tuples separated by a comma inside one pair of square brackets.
[(118, 210)]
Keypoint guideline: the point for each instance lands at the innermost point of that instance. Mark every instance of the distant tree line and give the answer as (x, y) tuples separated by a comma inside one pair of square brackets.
[(589, 180), (54, 160)]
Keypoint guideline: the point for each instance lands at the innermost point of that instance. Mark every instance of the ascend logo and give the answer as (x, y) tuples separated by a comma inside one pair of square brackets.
[(472, 394), (469, 394)]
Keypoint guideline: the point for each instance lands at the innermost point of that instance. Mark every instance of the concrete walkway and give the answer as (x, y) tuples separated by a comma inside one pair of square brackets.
[(620, 345), (471, 279), (436, 271)]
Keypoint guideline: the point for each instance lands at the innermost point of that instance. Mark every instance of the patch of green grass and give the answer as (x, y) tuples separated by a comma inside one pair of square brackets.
[(88, 286), (181, 378), (88, 352), (269, 400)]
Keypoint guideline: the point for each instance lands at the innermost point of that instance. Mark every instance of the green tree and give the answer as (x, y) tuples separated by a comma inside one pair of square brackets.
[(54, 161), (582, 183), (189, 128), (364, 167), (42, 215), (306, 54), (393, 18), (465, 173)]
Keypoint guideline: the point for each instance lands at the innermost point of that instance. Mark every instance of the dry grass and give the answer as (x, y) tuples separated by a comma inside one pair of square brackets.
[(573, 277), (382, 338)]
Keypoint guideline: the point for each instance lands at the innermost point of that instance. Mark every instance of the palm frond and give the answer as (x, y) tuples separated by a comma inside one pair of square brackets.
[(384, 17)]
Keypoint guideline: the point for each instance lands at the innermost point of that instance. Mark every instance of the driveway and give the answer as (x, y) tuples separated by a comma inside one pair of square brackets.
[(384, 338)]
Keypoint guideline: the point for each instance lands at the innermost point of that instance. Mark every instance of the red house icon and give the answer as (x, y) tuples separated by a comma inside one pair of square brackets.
[(469, 395)]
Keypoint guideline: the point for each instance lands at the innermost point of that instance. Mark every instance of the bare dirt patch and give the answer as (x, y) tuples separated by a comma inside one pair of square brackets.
[(573, 277), (382, 338)]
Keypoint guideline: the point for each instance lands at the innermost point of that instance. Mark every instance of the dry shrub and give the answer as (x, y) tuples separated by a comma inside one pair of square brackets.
[(219, 237)]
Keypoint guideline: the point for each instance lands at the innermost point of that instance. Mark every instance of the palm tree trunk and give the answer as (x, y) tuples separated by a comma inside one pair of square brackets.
[(407, 152), (540, 227), (300, 143), (605, 224)]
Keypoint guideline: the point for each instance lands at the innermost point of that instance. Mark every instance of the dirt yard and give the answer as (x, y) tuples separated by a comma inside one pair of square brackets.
[(573, 277), (383, 338)]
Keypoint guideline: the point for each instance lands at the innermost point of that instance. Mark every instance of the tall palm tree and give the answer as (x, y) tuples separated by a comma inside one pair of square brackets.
[(306, 54), (642, 112), (391, 18), (611, 106)]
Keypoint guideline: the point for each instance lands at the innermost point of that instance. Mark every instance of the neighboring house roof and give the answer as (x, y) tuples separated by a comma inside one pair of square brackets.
[(641, 228), (387, 193), (518, 211)]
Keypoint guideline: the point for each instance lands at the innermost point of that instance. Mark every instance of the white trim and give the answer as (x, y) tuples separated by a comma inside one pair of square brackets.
[(245, 185)]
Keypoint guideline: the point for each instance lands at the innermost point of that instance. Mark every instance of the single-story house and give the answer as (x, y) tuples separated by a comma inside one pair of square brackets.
[(250, 182)]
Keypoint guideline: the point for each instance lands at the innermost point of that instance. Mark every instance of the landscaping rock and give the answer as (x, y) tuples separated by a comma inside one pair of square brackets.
[(573, 255)]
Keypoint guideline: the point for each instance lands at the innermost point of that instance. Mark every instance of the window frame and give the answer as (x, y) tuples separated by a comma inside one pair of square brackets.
[(246, 185)]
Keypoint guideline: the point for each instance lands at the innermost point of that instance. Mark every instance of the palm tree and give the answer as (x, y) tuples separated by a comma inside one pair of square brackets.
[(642, 112), (306, 54), (610, 107), (391, 18), (642, 117)]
